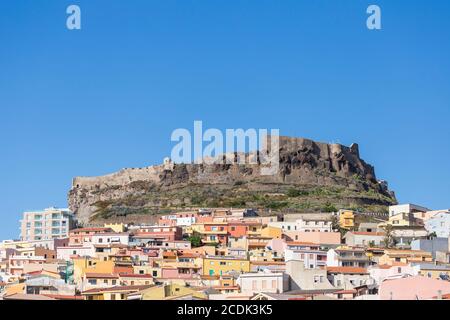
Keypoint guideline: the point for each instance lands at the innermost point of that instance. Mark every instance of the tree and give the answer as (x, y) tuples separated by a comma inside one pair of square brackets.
[(195, 239), (335, 225), (388, 240)]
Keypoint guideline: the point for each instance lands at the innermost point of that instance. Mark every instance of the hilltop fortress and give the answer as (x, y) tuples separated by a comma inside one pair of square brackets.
[(303, 165)]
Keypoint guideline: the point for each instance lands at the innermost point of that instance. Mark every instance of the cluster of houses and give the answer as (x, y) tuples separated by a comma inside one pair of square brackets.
[(226, 254)]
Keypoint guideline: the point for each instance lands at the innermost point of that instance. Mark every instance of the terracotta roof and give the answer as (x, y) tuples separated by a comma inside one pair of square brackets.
[(281, 263), (102, 275), (345, 291), (135, 275), (22, 296), (348, 270), (384, 266), (169, 253), (350, 249), (117, 288), (93, 229), (189, 255), (363, 233), (299, 243), (63, 297)]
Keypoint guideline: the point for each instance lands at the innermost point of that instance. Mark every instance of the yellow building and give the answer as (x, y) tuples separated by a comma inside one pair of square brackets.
[(346, 219), (15, 288), (167, 292), (402, 219), (254, 229), (264, 255), (221, 265), (272, 232), (116, 227), (155, 271), (81, 266), (405, 256)]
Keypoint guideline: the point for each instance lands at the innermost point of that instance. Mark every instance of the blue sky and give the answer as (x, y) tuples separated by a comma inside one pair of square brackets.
[(92, 101)]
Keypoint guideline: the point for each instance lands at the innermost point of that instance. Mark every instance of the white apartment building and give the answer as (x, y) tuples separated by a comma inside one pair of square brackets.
[(406, 208), (314, 223), (51, 223), (266, 281)]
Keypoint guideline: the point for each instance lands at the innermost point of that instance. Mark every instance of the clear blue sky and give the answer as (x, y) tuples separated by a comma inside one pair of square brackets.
[(93, 101)]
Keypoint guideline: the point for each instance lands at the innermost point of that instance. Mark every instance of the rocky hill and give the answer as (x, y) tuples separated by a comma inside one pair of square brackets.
[(312, 176)]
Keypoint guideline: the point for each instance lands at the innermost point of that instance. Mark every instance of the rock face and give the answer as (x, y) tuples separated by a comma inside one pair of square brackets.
[(311, 175)]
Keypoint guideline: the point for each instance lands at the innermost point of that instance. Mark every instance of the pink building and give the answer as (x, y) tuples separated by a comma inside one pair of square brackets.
[(413, 288), (163, 233), (323, 238)]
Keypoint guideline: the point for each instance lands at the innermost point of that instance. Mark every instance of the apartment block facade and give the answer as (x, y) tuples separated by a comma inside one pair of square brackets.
[(50, 223)]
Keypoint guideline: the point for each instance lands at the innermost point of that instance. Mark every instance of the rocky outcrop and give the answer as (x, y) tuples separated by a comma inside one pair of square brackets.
[(305, 166)]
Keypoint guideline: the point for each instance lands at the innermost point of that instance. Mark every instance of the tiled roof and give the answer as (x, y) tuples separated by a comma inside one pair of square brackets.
[(347, 270), (299, 243), (134, 275), (345, 291), (93, 229), (63, 297), (363, 233), (117, 288), (102, 275)]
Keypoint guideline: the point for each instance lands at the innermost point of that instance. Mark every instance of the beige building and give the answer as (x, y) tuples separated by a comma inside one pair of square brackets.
[(51, 223)]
